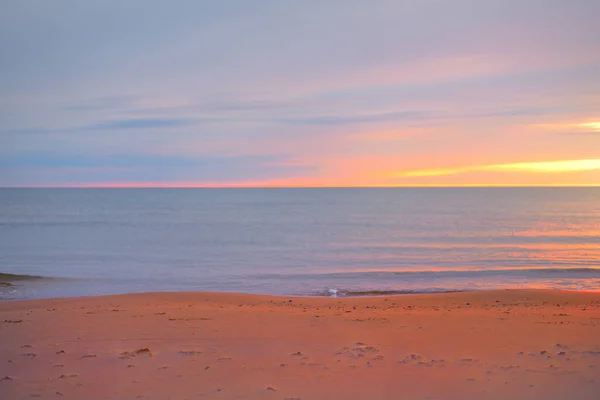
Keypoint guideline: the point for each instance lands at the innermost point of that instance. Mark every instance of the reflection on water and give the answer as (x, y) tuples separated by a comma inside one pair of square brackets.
[(299, 241)]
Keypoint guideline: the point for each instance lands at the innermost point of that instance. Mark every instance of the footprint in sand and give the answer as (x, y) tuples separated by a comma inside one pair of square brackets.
[(410, 359), (432, 363), (68, 376), (508, 367), (358, 350), (590, 353), (189, 353), (140, 352)]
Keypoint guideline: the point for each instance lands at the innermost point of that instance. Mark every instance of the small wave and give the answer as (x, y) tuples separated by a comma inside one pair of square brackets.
[(580, 272), (368, 293), (5, 277)]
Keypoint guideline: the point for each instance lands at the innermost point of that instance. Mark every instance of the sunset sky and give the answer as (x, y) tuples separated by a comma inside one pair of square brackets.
[(299, 93)]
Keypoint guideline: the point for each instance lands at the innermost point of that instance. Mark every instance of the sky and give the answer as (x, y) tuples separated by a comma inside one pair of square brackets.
[(299, 93)]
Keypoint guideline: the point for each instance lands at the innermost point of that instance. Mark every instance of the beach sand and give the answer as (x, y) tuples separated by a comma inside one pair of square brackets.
[(517, 344)]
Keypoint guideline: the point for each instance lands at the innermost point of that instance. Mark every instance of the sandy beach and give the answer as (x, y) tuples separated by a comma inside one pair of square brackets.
[(517, 344)]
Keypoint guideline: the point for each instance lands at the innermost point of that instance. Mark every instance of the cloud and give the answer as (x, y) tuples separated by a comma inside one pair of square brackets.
[(114, 169), (538, 167), (143, 123), (247, 105), (581, 133), (357, 119), (595, 125), (126, 160), (423, 83), (103, 104), (590, 127), (31, 131)]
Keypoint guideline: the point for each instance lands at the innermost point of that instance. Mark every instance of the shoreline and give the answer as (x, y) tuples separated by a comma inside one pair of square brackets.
[(342, 294), (498, 344), (341, 283), (344, 284), (428, 297), (6, 279)]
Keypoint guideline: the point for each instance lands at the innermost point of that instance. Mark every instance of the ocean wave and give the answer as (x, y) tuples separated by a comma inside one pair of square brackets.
[(580, 272), (383, 292), (17, 277)]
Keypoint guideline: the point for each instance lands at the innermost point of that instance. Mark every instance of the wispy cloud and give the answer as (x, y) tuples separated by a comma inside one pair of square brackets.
[(246, 105), (124, 160), (593, 126), (585, 126), (368, 88), (109, 169), (143, 123), (102, 104), (358, 119), (572, 128), (539, 167)]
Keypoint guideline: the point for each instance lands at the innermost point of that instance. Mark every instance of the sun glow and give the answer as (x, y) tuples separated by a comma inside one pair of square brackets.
[(541, 167), (591, 125), (551, 166)]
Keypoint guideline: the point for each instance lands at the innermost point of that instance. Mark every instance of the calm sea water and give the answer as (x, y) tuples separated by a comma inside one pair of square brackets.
[(298, 241)]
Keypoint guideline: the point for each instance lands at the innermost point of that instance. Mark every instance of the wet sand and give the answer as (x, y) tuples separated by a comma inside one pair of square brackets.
[(518, 344)]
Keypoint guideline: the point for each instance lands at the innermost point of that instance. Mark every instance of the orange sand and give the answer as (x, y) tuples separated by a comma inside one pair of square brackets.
[(478, 345)]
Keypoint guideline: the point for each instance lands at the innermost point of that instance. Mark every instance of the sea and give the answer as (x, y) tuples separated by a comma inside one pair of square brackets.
[(298, 242)]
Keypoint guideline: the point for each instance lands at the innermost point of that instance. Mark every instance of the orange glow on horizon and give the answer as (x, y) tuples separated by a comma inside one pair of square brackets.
[(290, 184), (386, 172)]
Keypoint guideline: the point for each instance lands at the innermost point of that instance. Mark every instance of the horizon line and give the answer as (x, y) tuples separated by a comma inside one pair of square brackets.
[(183, 186)]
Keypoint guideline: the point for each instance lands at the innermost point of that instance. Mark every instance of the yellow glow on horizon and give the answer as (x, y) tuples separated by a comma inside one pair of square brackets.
[(551, 166), (436, 172), (293, 184), (595, 125), (540, 166)]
